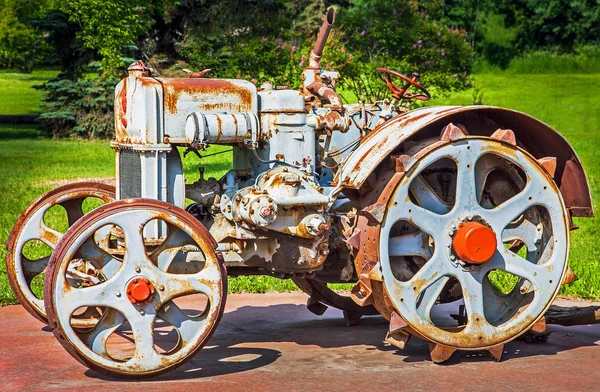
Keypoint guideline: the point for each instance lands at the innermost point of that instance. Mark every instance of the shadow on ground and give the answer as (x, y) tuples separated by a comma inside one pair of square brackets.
[(240, 340)]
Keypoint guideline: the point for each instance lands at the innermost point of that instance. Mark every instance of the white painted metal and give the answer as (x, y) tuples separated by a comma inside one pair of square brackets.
[(110, 294), (415, 298)]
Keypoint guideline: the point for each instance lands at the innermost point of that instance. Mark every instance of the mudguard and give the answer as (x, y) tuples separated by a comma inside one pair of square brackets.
[(536, 137)]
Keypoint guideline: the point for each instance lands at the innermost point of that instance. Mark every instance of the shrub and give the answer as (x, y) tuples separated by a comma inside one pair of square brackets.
[(585, 59), (81, 108)]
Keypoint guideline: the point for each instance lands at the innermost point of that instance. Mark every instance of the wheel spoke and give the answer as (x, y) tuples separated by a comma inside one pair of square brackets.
[(428, 274), (425, 220), (96, 338), (426, 196), (101, 259), (32, 268), (135, 249), (466, 186), (411, 245), (177, 285), (142, 327), (472, 295), (187, 327), (525, 231), (511, 209), (49, 236), (429, 297), (98, 295), (74, 208), (164, 255), (508, 261)]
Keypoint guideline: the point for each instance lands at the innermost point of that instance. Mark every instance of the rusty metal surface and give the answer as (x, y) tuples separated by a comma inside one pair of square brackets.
[(387, 298), (480, 120), (31, 226), (186, 235)]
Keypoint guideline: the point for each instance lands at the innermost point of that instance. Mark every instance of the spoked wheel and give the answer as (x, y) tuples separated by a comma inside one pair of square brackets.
[(161, 301), (473, 243), (36, 234)]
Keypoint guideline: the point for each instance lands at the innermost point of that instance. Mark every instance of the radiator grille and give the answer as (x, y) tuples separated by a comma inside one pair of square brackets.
[(130, 174)]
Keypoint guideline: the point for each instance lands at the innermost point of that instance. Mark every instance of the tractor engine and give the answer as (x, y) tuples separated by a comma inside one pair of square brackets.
[(274, 205)]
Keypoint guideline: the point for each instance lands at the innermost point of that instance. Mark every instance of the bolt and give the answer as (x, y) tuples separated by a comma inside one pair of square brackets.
[(161, 287), (118, 293), (142, 312), (448, 246), (452, 257), (137, 269)]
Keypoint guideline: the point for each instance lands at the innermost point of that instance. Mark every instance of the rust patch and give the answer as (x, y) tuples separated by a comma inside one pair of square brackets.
[(175, 87)]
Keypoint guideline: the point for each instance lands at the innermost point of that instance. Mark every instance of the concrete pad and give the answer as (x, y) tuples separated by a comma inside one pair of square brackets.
[(270, 342)]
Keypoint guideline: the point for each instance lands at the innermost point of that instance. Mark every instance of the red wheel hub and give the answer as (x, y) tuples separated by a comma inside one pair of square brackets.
[(474, 243), (140, 291)]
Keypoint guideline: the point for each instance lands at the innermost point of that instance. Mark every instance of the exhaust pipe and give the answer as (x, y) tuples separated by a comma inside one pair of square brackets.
[(317, 52)]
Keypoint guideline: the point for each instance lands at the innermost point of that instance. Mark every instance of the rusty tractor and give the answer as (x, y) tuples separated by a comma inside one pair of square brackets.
[(452, 222)]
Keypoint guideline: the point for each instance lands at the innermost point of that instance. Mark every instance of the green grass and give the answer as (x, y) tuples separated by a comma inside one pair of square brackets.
[(16, 93), (570, 103)]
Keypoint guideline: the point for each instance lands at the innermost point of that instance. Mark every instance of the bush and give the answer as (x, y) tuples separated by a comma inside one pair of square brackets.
[(585, 59), (81, 108)]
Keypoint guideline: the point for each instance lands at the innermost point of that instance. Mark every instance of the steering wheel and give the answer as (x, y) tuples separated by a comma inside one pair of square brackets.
[(400, 92)]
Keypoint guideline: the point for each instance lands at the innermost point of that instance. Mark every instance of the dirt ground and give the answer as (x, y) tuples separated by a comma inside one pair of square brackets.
[(270, 342)]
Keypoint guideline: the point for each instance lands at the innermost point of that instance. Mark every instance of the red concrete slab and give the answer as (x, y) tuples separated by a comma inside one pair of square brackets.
[(271, 342)]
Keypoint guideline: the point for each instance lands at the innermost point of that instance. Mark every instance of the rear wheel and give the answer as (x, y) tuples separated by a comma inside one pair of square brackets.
[(36, 234), (473, 244)]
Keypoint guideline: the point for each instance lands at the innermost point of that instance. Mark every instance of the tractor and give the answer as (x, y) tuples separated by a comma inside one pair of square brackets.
[(451, 222)]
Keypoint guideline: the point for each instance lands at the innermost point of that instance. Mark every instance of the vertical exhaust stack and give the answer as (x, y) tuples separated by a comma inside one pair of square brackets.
[(317, 52)]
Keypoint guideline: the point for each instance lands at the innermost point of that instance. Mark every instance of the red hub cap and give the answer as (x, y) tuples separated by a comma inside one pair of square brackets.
[(474, 243), (140, 291)]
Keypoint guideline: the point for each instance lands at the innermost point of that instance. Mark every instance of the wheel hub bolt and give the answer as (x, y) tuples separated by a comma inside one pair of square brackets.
[(474, 243), (140, 291)]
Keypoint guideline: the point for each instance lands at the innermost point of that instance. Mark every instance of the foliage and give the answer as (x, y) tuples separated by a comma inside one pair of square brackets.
[(109, 25), (400, 35), (499, 30), (584, 59), (81, 108), (397, 34)]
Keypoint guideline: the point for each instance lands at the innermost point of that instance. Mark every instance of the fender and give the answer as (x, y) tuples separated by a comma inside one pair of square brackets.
[(538, 138)]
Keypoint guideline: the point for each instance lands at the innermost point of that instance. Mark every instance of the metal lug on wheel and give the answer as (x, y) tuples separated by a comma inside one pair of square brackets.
[(540, 326), (537, 333), (505, 135), (403, 163), (315, 307), (361, 293), (397, 335), (569, 276), (374, 213), (354, 240), (549, 164), (376, 274), (440, 353), (452, 132), (352, 318), (496, 352)]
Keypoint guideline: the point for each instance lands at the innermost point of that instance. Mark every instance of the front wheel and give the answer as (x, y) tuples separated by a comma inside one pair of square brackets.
[(160, 301)]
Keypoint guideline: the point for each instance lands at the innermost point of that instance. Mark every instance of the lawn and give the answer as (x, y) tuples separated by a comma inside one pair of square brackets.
[(16, 94), (32, 165)]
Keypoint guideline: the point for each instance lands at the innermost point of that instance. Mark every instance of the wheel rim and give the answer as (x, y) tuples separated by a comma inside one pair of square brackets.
[(437, 223), (165, 275), (31, 227)]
